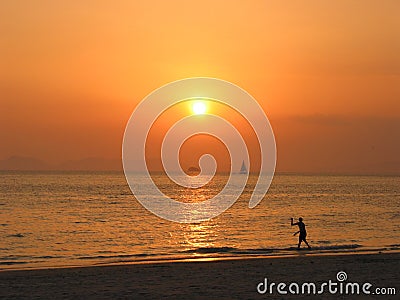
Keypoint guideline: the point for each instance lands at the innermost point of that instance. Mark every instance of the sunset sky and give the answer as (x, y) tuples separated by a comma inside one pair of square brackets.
[(326, 73)]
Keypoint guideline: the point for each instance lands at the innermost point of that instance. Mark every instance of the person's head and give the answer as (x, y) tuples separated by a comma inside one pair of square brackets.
[(300, 219)]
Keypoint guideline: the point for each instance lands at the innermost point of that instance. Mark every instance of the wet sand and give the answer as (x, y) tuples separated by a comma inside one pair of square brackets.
[(226, 279)]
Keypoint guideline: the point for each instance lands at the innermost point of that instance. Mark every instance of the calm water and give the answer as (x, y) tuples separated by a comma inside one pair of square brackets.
[(63, 219)]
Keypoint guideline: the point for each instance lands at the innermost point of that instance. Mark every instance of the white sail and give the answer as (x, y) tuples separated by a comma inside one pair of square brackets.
[(243, 169)]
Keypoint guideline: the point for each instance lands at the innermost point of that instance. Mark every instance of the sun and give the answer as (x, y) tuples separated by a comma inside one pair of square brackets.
[(199, 108)]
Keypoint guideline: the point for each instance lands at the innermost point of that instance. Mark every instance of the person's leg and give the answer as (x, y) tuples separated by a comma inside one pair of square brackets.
[(305, 241), (298, 246)]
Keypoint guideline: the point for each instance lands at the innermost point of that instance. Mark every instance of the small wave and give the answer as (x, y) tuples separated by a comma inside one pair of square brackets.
[(205, 250), (227, 250), (49, 257), (18, 235), (116, 256), (323, 242), (395, 247), (333, 247), (9, 263), (261, 251), (394, 216), (350, 246), (30, 258)]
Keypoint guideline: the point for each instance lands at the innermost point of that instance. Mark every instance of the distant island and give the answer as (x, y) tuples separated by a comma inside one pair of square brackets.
[(193, 171)]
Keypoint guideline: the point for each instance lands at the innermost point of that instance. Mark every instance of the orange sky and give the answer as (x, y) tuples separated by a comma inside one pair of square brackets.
[(327, 73)]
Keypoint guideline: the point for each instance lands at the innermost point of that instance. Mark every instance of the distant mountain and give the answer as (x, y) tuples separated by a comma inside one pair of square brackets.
[(25, 163), (91, 164)]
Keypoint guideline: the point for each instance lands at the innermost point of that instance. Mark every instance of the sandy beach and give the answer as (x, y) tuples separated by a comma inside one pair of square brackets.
[(226, 279)]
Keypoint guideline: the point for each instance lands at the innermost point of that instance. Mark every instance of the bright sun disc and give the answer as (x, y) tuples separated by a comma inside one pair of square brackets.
[(199, 108)]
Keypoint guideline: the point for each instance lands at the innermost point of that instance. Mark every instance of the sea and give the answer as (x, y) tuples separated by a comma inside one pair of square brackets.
[(66, 219)]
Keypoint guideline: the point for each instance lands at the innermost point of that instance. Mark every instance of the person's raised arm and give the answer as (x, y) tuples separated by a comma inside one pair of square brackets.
[(291, 222)]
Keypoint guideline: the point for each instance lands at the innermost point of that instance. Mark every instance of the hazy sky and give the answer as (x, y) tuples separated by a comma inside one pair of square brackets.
[(327, 73)]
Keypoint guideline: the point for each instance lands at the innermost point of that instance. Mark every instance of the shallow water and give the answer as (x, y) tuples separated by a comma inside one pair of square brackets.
[(63, 219)]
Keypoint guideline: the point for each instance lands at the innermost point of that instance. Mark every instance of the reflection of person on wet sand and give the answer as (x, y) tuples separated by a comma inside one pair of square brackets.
[(302, 231)]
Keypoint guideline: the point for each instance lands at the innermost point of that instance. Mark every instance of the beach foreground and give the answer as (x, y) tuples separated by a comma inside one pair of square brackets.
[(226, 279)]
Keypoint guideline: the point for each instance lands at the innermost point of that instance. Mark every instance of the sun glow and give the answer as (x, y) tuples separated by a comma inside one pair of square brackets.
[(199, 108)]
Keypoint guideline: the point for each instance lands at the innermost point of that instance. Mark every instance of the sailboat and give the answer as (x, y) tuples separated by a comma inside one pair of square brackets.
[(243, 169)]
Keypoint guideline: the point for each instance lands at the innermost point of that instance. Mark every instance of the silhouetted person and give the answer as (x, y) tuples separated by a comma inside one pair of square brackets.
[(302, 231)]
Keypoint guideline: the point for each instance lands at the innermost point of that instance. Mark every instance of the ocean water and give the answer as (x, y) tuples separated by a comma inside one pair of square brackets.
[(53, 219)]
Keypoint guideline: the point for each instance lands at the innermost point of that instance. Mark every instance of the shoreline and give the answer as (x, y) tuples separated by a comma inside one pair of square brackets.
[(210, 258), (221, 279)]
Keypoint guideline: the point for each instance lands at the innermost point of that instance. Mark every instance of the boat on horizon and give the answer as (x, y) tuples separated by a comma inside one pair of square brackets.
[(243, 169)]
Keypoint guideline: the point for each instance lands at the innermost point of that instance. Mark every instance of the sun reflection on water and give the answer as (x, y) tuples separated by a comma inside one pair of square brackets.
[(200, 235)]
